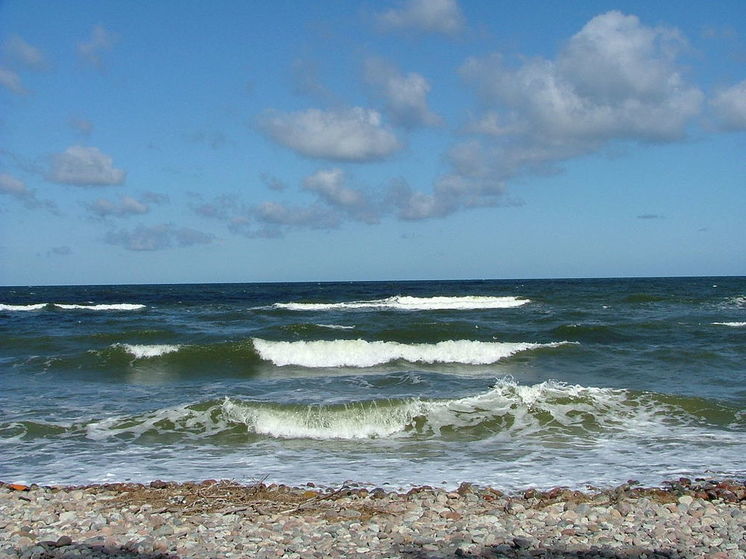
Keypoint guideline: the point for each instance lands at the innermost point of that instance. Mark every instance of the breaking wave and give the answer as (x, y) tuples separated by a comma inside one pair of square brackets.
[(67, 307), (361, 353), (731, 324), (550, 411), (406, 303), (146, 351)]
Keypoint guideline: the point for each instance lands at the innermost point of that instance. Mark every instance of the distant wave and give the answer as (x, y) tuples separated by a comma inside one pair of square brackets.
[(361, 353), (65, 306), (731, 324), (21, 308), (412, 304), (102, 307), (550, 410), (146, 351)]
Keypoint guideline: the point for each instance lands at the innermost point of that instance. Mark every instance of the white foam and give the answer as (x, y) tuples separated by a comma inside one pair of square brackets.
[(335, 326), (102, 307), (412, 304), (147, 351), (731, 324), (352, 421), (361, 353), (182, 419), (34, 307), (512, 410)]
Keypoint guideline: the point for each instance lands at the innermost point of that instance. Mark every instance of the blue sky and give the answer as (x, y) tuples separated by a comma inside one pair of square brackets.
[(180, 141)]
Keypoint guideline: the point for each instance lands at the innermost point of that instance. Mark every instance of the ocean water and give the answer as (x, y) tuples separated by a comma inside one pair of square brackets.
[(512, 384)]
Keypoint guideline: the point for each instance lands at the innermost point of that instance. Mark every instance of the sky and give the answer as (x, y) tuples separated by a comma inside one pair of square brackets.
[(190, 141)]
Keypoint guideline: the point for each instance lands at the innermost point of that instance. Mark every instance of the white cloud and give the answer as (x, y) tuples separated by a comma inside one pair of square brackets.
[(84, 166), (24, 54), (405, 95), (157, 237), (330, 185), (12, 82), (12, 186), (273, 219), (101, 41), (616, 80), (354, 134), (126, 206), (729, 105), (433, 16)]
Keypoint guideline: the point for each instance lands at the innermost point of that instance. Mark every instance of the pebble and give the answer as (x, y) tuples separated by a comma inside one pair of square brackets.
[(164, 520)]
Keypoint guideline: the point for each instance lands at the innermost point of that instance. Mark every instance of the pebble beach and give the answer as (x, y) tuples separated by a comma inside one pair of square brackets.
[(159, 520)]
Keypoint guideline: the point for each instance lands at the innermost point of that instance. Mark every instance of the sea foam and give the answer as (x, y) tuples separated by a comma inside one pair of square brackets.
[(102, 307), (68, 307), (361, 353), (22, 308), (507, 411), (406, 303), (731, 324), (146, 351)]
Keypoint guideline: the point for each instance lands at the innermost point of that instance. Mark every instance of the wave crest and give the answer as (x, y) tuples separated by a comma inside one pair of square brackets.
[(70, 307), (361, 353), (407, 303)]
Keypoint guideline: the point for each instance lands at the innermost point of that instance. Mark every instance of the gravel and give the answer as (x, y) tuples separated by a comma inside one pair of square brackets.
[(224, 519)]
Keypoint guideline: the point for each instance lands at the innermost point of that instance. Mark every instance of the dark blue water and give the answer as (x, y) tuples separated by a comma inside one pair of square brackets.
[(507, 383)]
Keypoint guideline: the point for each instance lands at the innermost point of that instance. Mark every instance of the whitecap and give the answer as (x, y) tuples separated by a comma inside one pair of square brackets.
[(102, 307), (407, 303), (22, 308), (362, 353), (148, 351)]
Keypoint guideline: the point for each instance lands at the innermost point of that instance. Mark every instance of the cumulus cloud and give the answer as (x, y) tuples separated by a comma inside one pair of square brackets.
[(615, 80), (354, 134), (12, 82), (84, 166), (157, 237), (331, 187), (273, 219), (405, 96), (101, 41), (729, 106), (432, 16), (12, 186), (126, 206), (24, 54)]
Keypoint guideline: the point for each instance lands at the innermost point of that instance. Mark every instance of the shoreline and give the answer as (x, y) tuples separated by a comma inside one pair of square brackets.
[(159, 520)]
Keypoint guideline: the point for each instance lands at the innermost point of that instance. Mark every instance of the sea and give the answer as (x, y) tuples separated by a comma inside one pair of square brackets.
[(504, 383)]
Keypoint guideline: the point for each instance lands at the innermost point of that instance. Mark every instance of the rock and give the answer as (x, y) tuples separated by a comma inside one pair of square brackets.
[(63, 541), (686, 500)]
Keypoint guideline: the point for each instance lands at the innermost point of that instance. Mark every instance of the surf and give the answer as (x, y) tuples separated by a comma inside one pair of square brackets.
[(407, 303), (361, 353)]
